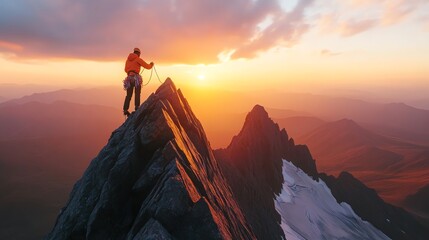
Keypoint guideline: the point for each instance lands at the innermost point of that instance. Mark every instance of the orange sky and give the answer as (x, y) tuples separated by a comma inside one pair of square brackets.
[(297, 45)]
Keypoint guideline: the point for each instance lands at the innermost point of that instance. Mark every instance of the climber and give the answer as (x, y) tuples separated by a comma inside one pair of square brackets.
[(133, 79)]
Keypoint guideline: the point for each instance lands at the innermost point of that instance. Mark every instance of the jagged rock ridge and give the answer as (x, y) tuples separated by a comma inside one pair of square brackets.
[(252, 164), (156, 178)]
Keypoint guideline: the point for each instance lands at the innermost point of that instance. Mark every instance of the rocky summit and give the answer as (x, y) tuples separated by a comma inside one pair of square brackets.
[(156, 178), (252, 164)]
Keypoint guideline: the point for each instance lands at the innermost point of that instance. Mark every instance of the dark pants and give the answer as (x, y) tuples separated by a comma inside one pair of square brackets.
[(130, 95)]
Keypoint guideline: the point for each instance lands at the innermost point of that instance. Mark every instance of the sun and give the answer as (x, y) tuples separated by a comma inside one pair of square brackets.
[(201, 77)]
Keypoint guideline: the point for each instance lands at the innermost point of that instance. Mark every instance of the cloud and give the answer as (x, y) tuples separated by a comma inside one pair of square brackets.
[(329, 53), (283, 29), (397, 10), (350, 17), (353, 27), (8, 46), (170, 31)]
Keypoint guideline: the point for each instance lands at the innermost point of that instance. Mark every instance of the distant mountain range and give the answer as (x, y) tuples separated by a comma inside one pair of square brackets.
[(36, 119), (44, 147), (392, 119), (299, 125), (214, 194), (395, 168), (50, 138), (158, 178)]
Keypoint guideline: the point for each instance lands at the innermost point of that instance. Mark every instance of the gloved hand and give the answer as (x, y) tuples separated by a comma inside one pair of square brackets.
[(151, 63)]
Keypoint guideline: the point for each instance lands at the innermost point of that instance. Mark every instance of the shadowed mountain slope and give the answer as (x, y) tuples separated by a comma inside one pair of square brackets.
[(253, 166), (155, 179), (393, 221)]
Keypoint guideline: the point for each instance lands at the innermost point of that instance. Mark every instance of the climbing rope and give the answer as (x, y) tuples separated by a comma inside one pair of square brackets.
[(150, 78), (157, 75)]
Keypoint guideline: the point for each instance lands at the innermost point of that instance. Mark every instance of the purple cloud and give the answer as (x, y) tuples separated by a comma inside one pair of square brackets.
[(174, 31)]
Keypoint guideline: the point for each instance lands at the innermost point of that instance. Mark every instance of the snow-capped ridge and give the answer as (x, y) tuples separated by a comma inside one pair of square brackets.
[(309, 211)]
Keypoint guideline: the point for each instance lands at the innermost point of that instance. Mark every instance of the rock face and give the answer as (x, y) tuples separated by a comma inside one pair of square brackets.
[(252, 164), (395, 222), (419, 201), (157, 178)]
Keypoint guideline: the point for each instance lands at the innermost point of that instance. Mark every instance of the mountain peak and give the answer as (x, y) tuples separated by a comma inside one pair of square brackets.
[(346, 124), (346, 121), (258, 111), (258, 120), (167, 86), (261, 134), (257, 153), (156, 175)]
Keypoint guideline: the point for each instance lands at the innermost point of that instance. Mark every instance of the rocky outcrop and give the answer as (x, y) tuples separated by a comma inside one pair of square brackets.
[(156, 178), (393, 221), (252, 164)]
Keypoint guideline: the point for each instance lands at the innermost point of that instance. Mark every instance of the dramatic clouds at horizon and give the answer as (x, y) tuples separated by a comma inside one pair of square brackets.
[(182, 31)]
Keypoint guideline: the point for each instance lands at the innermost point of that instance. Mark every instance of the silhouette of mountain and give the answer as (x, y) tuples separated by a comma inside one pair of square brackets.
[(420, 103), (251, 164), (95, 96), (342, 135), (256, 155), (286, 113), (36, 178), (156, 178), (377, 160), (298, 126), (391, 119), (418, 201), (13, 90), (395, 120), (43, 149), (393, 221), (35, 119)]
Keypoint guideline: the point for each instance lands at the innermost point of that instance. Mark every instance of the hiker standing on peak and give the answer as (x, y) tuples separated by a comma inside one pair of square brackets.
[(133, 79)]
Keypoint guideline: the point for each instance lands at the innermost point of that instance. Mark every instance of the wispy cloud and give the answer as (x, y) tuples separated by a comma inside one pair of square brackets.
[(353, 27), (181, 31), (329, 53), (398, 10), (283, 29), (351, 17)]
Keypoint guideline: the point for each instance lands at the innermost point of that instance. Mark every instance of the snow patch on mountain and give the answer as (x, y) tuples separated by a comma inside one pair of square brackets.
[(309, 211)]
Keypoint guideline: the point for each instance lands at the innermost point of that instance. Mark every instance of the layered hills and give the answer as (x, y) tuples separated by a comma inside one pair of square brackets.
[(394, 167)]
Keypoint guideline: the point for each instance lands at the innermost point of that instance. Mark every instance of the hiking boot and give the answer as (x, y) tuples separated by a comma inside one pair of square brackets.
[(126, 113)]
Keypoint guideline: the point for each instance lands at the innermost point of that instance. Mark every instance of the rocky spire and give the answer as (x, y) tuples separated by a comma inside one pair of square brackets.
[(156, 178), (256, 153)]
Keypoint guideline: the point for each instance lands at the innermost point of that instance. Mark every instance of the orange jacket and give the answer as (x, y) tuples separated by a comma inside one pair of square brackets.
[(134, 62)]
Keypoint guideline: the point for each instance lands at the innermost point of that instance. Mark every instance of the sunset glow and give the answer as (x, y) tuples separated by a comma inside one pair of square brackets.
[(208, 119), (295, 45)]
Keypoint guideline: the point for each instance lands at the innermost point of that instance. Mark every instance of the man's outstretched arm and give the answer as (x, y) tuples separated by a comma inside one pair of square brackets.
[(145, 64)]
